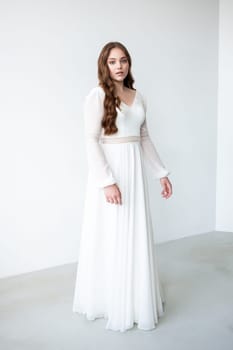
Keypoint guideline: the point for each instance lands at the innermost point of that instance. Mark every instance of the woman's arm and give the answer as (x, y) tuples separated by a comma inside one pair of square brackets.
[(99, 168), (150, 153)]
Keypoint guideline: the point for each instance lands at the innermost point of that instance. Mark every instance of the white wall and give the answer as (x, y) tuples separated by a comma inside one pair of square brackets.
[(48, 60), (224, 190)]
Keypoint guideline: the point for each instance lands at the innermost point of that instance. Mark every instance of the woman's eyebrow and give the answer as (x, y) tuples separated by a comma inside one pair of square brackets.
[(113, 58)]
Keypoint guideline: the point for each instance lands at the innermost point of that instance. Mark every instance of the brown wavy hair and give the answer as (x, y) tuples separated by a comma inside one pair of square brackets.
[(106, 82)]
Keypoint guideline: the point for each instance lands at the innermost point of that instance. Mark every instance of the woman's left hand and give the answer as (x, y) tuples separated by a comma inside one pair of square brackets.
[(167, 187)]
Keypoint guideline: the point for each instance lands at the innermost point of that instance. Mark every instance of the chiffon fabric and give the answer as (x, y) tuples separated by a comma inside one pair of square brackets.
[(117, 274)]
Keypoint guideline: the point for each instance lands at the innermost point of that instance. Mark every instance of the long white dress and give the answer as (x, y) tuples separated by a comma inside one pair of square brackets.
[(117, 272)]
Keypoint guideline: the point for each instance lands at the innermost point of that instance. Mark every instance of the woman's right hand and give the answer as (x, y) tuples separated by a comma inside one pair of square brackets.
[(113, 194)]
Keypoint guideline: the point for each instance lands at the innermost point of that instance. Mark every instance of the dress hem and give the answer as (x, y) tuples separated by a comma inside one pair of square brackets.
[(135, 323)]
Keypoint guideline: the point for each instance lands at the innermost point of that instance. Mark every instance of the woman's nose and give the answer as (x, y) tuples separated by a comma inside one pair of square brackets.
[(119, 65)]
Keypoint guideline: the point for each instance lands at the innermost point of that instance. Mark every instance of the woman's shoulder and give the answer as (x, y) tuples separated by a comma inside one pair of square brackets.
[(139, 93), (142, 97), (96, 91)]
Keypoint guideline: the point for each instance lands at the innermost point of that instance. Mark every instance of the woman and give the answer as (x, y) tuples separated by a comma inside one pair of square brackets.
[(117, 274)]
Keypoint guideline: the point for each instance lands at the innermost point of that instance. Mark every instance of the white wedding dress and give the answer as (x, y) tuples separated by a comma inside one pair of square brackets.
[(117, 272)]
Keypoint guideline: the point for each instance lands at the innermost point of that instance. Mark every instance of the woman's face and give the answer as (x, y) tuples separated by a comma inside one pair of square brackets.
[(118, 64)]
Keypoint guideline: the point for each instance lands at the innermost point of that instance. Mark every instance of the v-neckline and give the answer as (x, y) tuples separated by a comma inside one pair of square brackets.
[(131, 105)]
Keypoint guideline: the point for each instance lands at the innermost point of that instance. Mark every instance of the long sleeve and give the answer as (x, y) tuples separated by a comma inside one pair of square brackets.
[(99, 169), (150, 153)]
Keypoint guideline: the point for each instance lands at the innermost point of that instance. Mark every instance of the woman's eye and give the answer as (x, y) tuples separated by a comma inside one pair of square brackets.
[(123, 61)]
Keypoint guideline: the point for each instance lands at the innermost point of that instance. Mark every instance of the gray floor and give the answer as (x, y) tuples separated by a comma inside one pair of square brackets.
[(197, 275)]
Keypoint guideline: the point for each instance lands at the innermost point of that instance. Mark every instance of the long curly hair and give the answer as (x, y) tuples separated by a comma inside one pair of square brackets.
[(106, 82)]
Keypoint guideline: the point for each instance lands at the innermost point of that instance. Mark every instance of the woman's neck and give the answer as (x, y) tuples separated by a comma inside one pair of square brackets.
[(119, 87)]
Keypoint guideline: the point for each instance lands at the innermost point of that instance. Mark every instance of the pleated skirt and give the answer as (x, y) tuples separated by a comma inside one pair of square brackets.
[(117, 273)]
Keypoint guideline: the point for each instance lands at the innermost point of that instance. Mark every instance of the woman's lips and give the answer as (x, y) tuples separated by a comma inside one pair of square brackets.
[(119, 73)]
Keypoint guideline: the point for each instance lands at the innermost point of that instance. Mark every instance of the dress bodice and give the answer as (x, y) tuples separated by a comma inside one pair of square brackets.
[(129, 117)]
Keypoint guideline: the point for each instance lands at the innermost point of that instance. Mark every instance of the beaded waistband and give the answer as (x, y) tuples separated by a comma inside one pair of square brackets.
[(119, 139)]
